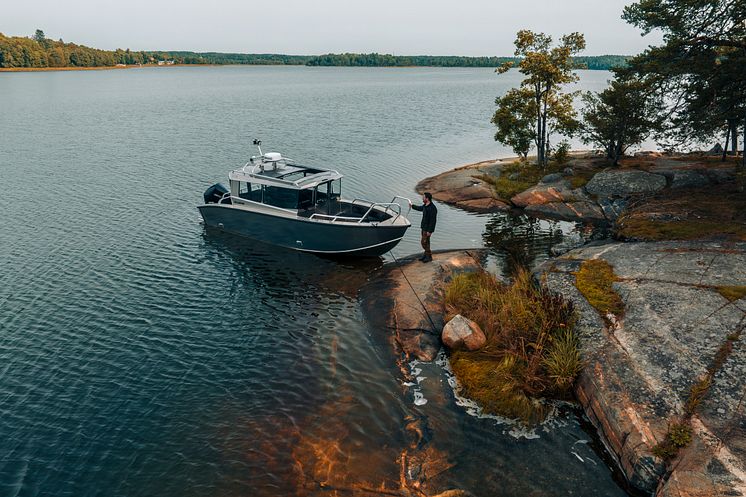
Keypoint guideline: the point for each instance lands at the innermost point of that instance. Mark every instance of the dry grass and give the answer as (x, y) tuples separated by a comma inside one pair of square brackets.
[(696, 394), (687, 214), (594, 279), (527, 175), (732, 292), (531, 351), (656, 230)]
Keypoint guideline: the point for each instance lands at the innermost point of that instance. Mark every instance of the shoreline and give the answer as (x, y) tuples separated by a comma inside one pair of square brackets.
[(677, 252), (585, 187), (104, 68)]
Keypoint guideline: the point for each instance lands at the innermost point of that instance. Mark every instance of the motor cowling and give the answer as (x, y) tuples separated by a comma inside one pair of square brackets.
[(215, 194)]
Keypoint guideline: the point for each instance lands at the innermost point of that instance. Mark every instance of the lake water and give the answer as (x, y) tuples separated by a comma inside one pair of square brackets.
[(141, 355)]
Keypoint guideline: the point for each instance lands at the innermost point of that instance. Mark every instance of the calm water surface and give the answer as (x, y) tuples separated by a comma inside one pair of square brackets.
[(142, 355)]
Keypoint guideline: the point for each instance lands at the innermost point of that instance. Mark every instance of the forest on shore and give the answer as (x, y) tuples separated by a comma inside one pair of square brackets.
[(38, 51)]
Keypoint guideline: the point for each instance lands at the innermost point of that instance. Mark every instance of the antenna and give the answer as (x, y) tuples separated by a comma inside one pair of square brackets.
[(258, 144)]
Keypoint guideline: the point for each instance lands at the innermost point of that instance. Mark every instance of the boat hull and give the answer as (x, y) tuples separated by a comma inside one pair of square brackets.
[(318, 237)]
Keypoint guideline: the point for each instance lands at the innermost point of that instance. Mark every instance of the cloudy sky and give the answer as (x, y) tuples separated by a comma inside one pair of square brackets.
[(402, 27)]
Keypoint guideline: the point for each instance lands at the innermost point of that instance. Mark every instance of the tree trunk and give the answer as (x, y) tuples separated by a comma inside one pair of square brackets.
[(727, 141), (539, 143), (734, 137), (743, 155), (617, 152)]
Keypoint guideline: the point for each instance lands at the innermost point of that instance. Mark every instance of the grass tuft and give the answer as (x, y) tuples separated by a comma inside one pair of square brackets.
[(531, 351), (594, 280), (563, 360), (732, 292), (679, 435), (696, 394)]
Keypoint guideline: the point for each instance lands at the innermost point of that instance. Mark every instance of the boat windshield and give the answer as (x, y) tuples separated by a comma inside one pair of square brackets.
[(327, 197)]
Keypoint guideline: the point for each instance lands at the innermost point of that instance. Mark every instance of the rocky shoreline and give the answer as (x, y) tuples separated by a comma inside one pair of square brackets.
[(679, 337), (639, 369), (602, 198)]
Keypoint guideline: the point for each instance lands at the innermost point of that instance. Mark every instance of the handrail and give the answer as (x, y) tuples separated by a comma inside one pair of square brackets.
[(333, 218), (403, 198), (387, 204)]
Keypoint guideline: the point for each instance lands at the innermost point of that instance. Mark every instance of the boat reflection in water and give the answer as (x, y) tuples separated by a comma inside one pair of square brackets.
[(275, 201)]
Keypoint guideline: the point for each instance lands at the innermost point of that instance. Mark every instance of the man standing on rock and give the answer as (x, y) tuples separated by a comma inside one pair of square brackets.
[(429, 218)]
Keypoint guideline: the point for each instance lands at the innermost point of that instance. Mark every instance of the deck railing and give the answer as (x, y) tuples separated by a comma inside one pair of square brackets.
[(395, 207)]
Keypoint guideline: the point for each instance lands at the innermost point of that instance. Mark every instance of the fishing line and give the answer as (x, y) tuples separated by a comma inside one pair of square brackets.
[(398, 264)]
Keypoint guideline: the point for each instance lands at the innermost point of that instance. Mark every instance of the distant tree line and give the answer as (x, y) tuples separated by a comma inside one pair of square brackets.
[(231, 58), (39, 51), (602, 62)]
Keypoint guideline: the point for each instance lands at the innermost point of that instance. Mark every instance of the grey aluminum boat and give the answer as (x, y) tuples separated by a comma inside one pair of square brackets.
[(275, 201)]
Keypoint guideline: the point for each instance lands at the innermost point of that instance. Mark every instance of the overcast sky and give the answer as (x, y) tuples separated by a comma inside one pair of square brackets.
[(401, 27)]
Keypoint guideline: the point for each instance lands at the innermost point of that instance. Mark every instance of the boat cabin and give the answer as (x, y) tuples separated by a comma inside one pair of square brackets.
[(276, 182)]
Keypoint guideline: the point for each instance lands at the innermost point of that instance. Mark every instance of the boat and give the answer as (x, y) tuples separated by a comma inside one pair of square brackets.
[(276, 201)]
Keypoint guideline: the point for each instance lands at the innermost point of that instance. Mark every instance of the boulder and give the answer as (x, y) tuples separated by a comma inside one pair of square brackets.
[(542, 194), (568, 210), (689, 178), (552, 178), (719, 176), (461, 332), (568, 171), (625, 182), (612, 208)]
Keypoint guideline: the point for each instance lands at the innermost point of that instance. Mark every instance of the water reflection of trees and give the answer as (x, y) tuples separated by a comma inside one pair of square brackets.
[(518, 240)]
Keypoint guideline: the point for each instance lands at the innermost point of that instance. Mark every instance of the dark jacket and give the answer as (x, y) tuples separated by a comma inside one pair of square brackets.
[(429, 216)]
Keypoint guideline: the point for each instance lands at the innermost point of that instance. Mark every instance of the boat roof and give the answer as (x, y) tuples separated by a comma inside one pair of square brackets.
[(283, 173)]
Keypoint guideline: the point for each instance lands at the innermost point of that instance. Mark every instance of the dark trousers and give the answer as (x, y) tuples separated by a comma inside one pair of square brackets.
[(425, 242)]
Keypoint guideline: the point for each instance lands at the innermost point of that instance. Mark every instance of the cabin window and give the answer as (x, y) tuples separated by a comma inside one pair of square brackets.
[(256, 192), (244, 190), (305, 199), (285, 198)]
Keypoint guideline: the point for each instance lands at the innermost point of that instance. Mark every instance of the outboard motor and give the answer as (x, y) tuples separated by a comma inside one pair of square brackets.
[(215, 193)]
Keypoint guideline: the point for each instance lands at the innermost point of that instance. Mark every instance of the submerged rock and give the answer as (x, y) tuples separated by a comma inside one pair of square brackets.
[(461, 332), (625, 182)]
